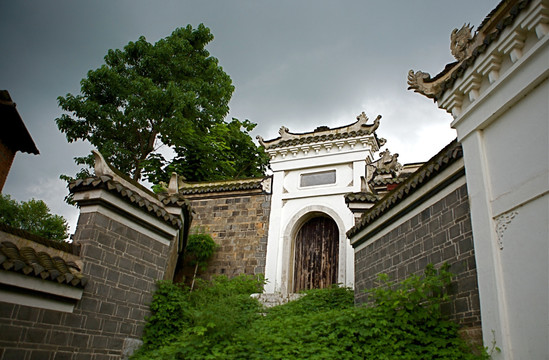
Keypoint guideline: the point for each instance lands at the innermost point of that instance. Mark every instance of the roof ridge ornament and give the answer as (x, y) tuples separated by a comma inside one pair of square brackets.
[(101, 167), (420, 82), (460, 41), (323, 135), (284, 133), (389, 163), (461, 46), (362, 118), (176, 182)]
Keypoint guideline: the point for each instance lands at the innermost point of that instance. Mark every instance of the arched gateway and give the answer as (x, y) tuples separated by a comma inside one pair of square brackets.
[(312, 172)]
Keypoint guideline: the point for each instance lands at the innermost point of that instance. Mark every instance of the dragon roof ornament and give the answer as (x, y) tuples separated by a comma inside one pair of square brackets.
[(462, 44), (460, 41), (467, 46)]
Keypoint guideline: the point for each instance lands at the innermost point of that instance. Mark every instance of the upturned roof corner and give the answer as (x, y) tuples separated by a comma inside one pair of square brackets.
[(467, 46)]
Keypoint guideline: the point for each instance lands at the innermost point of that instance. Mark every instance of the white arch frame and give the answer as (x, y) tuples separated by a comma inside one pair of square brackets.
[(288, 244)]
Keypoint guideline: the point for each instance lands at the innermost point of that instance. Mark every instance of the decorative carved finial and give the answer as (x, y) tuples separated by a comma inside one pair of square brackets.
[(419, 82), (173, 187), (266, 185), (100, 166), (382, 141), (374, 126), (284, 132), (389, 162), (176, 183), (460, 40), (261, 141), (362, 118)]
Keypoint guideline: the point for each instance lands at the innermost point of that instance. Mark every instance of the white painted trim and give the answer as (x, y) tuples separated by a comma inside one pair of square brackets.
[(523, 76), (313, 192), (35, 301), (320, 160), (40, 286), (380, 223), (432, 200), (117, 217), (120, 204)]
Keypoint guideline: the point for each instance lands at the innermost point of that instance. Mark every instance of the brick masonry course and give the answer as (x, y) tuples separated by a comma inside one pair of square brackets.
[(238, 223), (439, 234), (112, 309)]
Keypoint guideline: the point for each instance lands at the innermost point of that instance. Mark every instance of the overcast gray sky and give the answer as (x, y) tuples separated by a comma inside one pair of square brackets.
[(298, 63)]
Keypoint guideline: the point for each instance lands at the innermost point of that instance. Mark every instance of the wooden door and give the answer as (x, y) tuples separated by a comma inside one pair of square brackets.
[(316, 254)]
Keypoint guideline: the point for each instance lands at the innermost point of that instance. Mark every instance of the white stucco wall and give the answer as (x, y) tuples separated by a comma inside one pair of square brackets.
[(507, 167), (292, 205), (504, 129)]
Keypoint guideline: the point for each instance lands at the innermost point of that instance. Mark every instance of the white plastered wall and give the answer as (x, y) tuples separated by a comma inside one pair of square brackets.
[(504, 129)]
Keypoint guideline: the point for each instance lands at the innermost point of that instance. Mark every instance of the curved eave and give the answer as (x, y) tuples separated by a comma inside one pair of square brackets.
[(323, 133), (13, 132)]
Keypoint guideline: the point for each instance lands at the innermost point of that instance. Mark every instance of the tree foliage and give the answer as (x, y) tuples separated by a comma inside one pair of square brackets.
[(33, 216), (171, 93), (200, 248)]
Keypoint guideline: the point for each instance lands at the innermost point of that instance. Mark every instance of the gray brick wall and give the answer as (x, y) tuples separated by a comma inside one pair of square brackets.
[(238, 223), (439, 233), (122, 265)]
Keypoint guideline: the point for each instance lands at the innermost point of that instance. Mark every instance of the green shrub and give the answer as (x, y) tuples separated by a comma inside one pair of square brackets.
[(190, 321), (200, 248), (401, 321), (316, 300)]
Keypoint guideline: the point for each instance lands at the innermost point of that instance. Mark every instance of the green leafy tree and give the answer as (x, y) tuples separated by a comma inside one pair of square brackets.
[(33, 216), (234, 156), (171, 93), (200, 248)]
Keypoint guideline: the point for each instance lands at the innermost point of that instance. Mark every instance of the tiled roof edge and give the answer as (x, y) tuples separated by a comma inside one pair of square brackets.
[(106, 182), (323, 134), (360, 197), (447, 156), (28, 262), (222, 186)]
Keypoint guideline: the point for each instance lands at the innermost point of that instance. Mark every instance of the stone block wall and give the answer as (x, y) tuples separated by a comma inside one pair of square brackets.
[(125, 236), (122, 266), (238, 223), (438, 234)]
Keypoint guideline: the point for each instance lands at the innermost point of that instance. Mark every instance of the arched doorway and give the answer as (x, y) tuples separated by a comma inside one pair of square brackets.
[(316, 254)]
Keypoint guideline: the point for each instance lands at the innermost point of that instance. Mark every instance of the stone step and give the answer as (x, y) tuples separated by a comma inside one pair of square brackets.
[(275, 299)]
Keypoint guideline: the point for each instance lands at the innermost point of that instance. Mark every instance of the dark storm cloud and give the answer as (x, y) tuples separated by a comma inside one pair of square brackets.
[(300, 64)]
